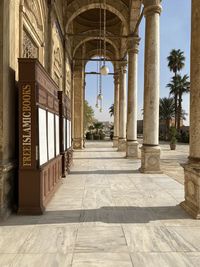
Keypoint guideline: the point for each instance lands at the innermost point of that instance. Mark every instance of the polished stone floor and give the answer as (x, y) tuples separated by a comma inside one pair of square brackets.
[(106, 214)]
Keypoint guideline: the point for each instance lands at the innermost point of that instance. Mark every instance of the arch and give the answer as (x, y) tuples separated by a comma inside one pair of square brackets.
[(135, 13), (35, 14), (95, 53), (87, 39), (118, 8)]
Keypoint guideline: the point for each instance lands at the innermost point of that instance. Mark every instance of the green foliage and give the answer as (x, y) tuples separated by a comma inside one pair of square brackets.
[(167, 108), (185, 137), (88, 115), (111, 110), (173, 135), (176, 60), (166, 114), (178, 85)]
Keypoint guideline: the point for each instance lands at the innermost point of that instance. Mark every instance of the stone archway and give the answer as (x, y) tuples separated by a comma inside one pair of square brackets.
[(118, 8)]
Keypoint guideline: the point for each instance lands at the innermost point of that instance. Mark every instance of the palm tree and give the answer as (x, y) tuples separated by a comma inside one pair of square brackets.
[(178, 86), (111, 110), (167, 112), (183, 87), (176, 62)]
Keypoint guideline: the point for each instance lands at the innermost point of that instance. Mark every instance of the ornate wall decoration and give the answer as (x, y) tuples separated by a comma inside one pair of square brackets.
[(33, 13), (30, 49), (68, 77), (57, 57)]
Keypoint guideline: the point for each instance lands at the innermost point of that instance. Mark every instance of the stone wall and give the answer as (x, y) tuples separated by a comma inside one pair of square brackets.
[(25, 31)]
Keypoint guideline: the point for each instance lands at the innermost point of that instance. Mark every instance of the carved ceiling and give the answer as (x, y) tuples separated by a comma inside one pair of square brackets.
[(83, 22)]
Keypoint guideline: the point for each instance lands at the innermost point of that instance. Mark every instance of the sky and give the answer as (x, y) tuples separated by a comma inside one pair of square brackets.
[(175, 27)]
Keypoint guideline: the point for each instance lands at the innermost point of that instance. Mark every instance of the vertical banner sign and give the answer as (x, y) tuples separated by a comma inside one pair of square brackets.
[(26, 126)]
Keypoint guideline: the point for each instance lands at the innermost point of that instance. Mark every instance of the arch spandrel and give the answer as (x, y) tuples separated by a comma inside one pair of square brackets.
[(88, 39), (117, 7)]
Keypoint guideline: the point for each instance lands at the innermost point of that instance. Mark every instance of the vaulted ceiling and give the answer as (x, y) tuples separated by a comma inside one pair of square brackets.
[(82, 24)]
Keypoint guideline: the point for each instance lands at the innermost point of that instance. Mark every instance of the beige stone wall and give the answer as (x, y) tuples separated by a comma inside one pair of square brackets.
[(20, 19), (8, 108)]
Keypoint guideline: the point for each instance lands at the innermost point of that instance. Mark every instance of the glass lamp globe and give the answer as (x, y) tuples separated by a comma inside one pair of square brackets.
[(104, 70), (100, 97), (101, 110)]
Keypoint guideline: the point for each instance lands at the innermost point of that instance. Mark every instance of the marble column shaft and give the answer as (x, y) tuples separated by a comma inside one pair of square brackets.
[(122, 109), (192, 167), (78, 107), (151, 150), (116, 112), (132, 144)]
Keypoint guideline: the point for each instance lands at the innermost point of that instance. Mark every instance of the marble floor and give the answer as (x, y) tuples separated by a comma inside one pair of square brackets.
[(106, 214)]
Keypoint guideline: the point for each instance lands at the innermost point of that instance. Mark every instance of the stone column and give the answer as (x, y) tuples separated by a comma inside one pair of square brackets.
[(78, 107), (122, 109), (8, 108), (132, 143), (116, 112), (192, 167), (150, 149)]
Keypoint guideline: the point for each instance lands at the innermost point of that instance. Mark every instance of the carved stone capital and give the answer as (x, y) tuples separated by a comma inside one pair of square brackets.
[(133, 45), (124, 68), (116, 79), (152, 6)]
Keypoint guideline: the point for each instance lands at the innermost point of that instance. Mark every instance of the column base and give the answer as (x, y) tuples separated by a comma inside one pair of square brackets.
[(122, 145), (150, 159), (78, 143), (192, 189), (132, 149), (115, 141)]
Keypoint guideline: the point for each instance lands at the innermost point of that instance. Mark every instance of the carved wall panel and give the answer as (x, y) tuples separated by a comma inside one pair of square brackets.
[(32, 33), (30, 49), (57, 56)]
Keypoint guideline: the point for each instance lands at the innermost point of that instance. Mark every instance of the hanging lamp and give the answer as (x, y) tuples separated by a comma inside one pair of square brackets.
[(97, 101), (100, 95), (104, 69)]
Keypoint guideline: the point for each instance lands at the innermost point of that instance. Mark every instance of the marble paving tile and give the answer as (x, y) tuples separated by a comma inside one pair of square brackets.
[(106, 214), (100, 239), (7, 260), (156, 239), (96, 181), (51, 239), (97, 197), (161, 259), (190, 235), (101, 260), (44, 260), (193, 257), (12, 237)]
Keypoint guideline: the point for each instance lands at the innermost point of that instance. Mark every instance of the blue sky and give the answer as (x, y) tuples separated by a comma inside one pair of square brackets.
[(175, 33)]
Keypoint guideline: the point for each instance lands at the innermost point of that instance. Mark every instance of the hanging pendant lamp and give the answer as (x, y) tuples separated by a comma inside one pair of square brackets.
[(104, 69)]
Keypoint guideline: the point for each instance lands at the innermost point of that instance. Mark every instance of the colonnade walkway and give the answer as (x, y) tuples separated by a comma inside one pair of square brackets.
[(105, 214)]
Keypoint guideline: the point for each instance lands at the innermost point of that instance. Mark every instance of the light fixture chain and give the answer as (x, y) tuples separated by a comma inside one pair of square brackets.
[(104, 32)]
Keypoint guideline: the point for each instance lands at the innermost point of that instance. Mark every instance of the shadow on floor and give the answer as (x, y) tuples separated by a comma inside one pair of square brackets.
[(109, 215), (96, 151), (104, 158), (104, 172)]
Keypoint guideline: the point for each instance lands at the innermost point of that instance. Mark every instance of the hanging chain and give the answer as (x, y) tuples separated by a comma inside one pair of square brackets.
[(104, 32), (100, 33)]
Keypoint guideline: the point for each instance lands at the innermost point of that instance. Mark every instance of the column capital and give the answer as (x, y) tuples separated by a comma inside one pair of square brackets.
[(133, 44), (152, 7), (116, 79), (123, 67)]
